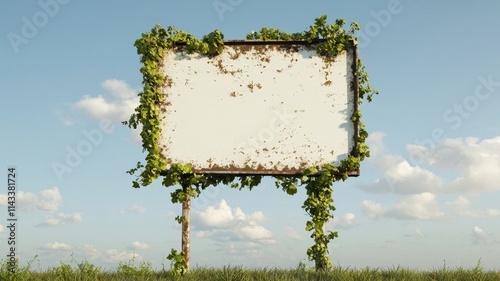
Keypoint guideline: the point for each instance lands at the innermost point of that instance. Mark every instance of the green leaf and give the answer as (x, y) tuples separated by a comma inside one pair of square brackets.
[(291, 190), (180, 219), (309, 226)]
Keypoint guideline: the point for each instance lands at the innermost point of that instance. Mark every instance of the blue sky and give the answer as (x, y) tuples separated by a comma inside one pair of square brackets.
[(430, 192)]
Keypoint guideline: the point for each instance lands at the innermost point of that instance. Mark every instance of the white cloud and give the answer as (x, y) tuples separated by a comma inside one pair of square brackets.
[(253, 232), (462, 207), (373, 209), (267, 241), (133, 209), (138, 246), (223, 223), (118, 107), (417, 233), (204, 233), (477, 162), (479, 236), (218, 216), (65, 119), (2, 228), (46, 200), (57, 246), (292, 233), (490, 212), (403, 178), (380, 158), (399, 176), (345, 221), (90, 252), (61, 219), (256, 217), (423, 206), (376, 144), (246, 248), (114, 256)]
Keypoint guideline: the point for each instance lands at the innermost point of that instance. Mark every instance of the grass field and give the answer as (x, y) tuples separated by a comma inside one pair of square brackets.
[(144, 271)]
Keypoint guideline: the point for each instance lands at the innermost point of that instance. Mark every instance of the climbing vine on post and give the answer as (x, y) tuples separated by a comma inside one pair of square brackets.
[(319, 203), (330, 40)]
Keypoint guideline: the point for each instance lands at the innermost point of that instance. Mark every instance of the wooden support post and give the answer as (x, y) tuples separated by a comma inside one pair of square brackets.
[(186, 231)]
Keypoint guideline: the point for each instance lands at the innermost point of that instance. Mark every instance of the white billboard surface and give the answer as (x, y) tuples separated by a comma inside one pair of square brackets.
[(258, 109)]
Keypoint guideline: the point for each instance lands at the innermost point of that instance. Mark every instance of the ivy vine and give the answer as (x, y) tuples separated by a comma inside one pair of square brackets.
[(330, 40)]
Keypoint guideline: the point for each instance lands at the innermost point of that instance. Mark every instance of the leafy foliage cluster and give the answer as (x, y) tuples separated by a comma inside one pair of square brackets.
[(331, 39)]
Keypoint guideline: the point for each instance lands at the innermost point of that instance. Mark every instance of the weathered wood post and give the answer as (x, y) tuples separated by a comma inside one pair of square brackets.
[(186, 227)]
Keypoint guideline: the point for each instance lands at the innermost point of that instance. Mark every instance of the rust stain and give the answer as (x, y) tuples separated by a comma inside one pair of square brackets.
[(265, 59), (222, 69), (235, 55), (169, 81)]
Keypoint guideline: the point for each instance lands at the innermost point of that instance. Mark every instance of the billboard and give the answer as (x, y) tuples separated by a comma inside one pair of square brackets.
[(259, 107)]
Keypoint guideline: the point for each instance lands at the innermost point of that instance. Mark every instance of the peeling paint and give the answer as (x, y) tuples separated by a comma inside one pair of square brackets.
[(261, 109)]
